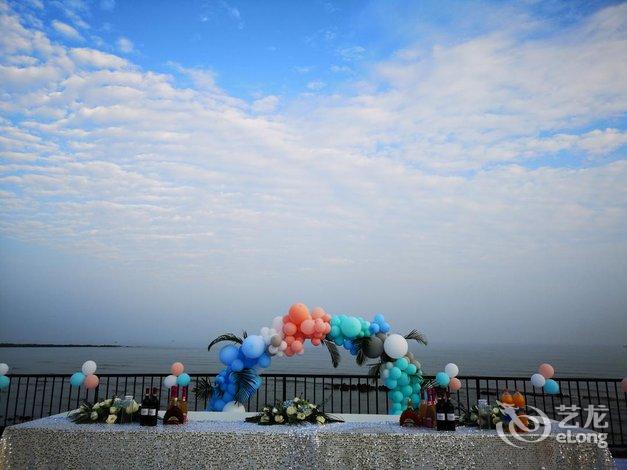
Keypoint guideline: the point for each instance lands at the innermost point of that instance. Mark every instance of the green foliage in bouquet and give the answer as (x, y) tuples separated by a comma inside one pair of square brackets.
[(294, 411), (484, 418), (110, 411)]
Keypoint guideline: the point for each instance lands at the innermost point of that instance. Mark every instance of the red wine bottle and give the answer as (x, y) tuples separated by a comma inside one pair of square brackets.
[(450, 414), (440, 414), (144, 415)]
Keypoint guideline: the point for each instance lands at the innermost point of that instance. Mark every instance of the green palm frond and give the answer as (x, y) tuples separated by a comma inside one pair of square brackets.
[(244, 334), (203, 389), (246, 381), (226, 337), (335, 354), (375, 370), (416, 336), (362, 344), (360, 358)]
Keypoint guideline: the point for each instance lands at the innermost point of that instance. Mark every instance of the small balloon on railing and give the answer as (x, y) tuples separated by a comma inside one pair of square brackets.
[(4, 380), (86, 377)]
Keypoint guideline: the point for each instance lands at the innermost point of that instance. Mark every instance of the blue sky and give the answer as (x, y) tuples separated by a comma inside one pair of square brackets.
[(220, 160)]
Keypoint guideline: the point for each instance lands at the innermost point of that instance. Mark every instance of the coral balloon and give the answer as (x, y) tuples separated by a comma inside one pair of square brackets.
[(290, 329), (546, 370), (318, 312), (298, 313), (177, 368), (455, 384), (91, 381), (308, 326), (319, 325), (316, 341), (297, 346), (623, 385)]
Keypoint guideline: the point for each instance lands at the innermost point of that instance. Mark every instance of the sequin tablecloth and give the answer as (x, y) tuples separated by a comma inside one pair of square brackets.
[(223, 440)]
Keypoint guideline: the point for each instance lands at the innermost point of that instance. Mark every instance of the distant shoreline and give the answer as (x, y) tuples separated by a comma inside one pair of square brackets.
[(46, 345)]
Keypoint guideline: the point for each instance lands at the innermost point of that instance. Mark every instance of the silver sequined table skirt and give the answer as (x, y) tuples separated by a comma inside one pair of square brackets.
[(221, 441)]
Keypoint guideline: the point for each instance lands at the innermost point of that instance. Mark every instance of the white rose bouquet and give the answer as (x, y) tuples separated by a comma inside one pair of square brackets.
[(107, 411), (294, 411)]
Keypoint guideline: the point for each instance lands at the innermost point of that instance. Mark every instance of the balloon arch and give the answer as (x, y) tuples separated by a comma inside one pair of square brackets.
[(395, 365)]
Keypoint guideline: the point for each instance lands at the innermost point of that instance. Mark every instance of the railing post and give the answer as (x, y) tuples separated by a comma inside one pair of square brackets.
[(284, 389)]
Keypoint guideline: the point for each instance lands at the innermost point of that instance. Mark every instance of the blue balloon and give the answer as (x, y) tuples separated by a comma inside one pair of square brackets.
[(218, 405), (228, 354), (249, 363), (264, 361), (77, 379), (4, 381), (442, 379), (237, 365), (253, 346), (183, 380), (231, 389), (385, 327), (379, 318), (374, 328), (551, 387)]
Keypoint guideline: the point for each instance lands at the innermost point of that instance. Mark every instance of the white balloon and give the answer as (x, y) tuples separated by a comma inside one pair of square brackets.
[(451, 370), (264, 331), (169, 381), (277, 323), (385, 374), (538, 380), (89, 367), (283, 346), (273, 349), (4, 369), (234, 407), (395, 346), (389, 365)]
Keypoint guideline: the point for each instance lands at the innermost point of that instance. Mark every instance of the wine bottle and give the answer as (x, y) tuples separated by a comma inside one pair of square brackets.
[(430, 414), (422, 409), (144, 414), (154, 407), (450, 414), (408, 417), (173, 414), (440, 414), (183, 404)]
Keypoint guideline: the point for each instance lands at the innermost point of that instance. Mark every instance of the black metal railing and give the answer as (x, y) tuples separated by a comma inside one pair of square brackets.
[(34, 396)]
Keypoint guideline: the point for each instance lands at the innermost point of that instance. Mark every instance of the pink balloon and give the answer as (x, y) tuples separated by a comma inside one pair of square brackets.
[(317, 312), (177, 368), (316, 341), (546, 370), (327, 328), (455, 384), (623, 385), (307, 326), (289, 340), (288, 352), (297, 346), (289, 329), (319, 326), (91, 381)]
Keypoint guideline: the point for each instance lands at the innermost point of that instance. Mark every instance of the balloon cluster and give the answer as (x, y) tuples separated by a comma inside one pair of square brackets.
[(344, 330), (299, 325), (86, 377), (448, 378), (4, 380), (404, 380), (544, 378), (177, 377)]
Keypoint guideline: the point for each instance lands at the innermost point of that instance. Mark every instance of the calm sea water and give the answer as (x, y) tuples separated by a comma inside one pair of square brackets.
[(473, 359)]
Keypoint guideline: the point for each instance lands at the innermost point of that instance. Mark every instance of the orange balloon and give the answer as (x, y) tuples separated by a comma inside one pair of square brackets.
[(316, 341), (519, 399), (308, 326), (177, 368), (289, 340), (546, 371), (297, 346), (507, 398), (289, 329), (327, 328), (288, 352), (455, 384), (91, 381), (317, 312), (298, 313)]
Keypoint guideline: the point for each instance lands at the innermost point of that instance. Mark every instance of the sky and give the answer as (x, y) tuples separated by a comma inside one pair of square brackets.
[(173, 170)]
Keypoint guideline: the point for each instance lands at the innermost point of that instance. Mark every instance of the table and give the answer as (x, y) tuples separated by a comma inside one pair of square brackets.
[(223, 440)]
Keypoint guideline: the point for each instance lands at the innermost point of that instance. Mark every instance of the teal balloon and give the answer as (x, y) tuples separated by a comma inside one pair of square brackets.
[(442, 379), (401, 363), (396, 396), (411, 369), (77, 379), (415, 399), (350, 327), (403, 379), (407, 390), (395, 373), (183, 380), (416, 387), (4, 381), (391, 383), (396, 409), (551, 387)]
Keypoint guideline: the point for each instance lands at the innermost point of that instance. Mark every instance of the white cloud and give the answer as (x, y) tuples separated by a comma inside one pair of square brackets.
[(351, 53), (125, 45), (97, 59), (267, 104), (66, 30), (316, 85)]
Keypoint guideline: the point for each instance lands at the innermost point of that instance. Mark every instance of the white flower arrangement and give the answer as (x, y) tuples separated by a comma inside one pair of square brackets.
[(108, 411), (294, 411)]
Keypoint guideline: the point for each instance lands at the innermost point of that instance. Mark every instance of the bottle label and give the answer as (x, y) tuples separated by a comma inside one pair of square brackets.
[(440, 416), (450, 416), (152, 411), (144, 412)]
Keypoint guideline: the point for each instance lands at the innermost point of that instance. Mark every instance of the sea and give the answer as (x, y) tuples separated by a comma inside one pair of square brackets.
[(473, 359)]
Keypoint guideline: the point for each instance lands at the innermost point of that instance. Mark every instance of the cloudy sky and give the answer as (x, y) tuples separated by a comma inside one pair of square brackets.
[(169, 171)]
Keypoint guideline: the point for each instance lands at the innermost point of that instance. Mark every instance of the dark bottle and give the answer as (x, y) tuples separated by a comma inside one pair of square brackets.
[(174, 414), (450, 414), (440, 414), (429, 420), (154, 407), (183, 403), (144, 414), (408, 417)]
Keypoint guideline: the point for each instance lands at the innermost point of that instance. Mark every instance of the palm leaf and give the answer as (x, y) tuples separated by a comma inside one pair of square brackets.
[(203, 389), (362, 344), (246, 381), (417, 336), (335, 354), (244, 334), (375, 370), (226, 337), (361, 358)]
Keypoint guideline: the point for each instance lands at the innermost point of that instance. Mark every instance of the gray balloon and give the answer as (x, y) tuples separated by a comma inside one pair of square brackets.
[(374, 347), (417, 364), (382, 336), (410, 356), (275, 340)]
